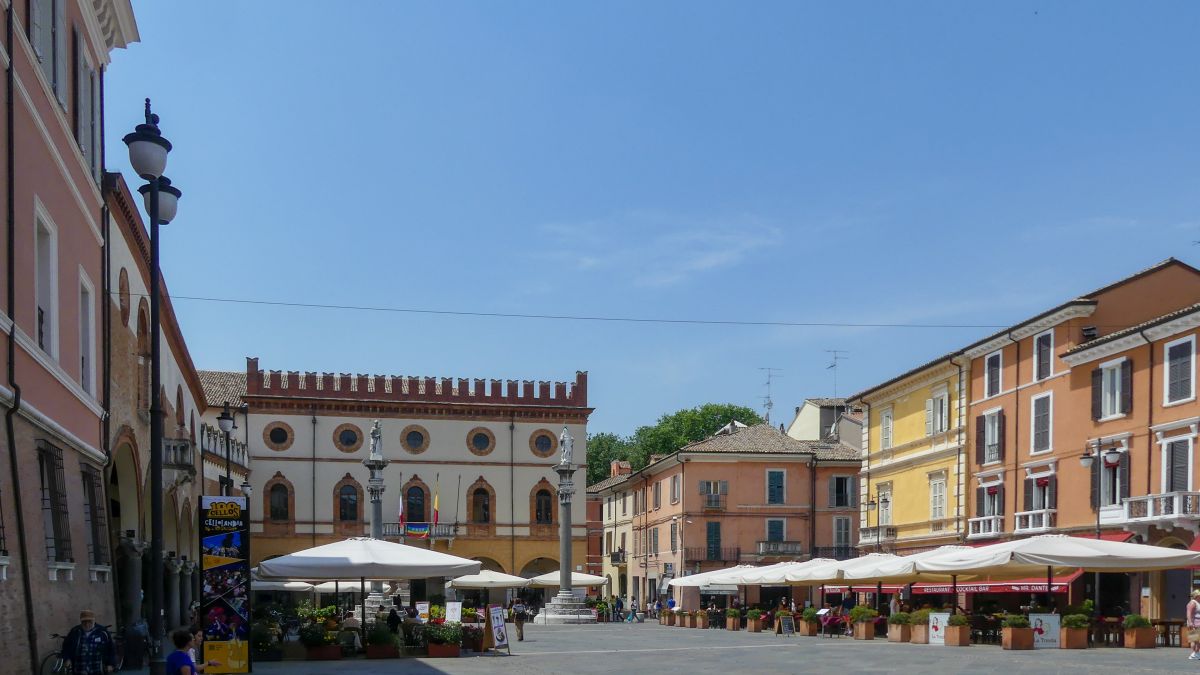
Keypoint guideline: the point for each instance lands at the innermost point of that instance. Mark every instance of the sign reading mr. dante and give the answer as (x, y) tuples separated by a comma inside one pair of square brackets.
[(225, 574)]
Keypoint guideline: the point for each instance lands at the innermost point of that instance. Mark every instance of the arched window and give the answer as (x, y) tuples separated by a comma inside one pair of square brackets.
[(279, 502), (544, 514), (481, 506), (348, 503), (414, 505)]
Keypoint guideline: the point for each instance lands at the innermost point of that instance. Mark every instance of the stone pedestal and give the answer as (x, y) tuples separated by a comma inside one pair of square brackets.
[(171, 569), (562, 610)]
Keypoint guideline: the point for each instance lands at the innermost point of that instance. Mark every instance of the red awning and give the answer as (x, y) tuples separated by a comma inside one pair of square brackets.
[(1029, 585), (887, 588)]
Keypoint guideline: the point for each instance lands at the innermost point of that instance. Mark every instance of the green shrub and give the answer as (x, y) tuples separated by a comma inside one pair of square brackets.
[(783, 612), (314, 635), (861, 614), (920, 617), (469, 614), (754, 614), (900, 619), (1076, 621), (262, 636), (380, 634), (1015, 621), (1136, 621), (444, 634), (958, 620), (437, 612), (809, 615), (472, 632), (732, 613)]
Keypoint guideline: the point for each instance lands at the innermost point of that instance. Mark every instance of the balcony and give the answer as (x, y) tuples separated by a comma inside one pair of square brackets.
[(179, 460), (835, 552), (714, 553), (985, 527), (784, 548), (1033, 522), (420, 530), (873, 536), (713, 502), (617, 558), (212, 444), (1170, 509)]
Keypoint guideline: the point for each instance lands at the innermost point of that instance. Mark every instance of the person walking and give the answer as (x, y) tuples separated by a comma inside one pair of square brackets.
[(633, 609), (1193, 625), (180, 661), (393, 621), (89, 649), (519, 612), (619, 615)]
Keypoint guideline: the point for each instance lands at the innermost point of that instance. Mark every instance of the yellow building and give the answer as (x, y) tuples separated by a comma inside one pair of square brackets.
[(913, 478)]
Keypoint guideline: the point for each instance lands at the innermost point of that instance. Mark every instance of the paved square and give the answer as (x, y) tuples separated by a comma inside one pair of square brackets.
[(612, 649)]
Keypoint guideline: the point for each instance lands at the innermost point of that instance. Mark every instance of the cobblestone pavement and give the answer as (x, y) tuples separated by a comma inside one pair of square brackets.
[(649, 648)]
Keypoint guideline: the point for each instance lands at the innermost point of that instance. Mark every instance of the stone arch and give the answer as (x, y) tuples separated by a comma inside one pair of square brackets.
[(187, 532), (540, 527), (491, 564), (170, 525), (538, 565), (192, 428), (124, 489), (272, 525), (143, 353), (179, 406), (481, 508), (427, 505), (354, 526)]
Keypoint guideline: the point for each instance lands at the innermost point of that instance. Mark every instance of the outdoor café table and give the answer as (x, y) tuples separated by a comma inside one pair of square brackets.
[(1169, 631), (1108, 632)]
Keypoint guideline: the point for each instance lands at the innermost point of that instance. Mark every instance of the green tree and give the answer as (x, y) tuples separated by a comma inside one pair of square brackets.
[(602, 449)]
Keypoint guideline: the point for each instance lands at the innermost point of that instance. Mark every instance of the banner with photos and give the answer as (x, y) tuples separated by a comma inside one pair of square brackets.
[(225, 579)]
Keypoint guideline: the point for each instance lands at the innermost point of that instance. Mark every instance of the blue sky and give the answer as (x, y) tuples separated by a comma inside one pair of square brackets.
[(929, 163)]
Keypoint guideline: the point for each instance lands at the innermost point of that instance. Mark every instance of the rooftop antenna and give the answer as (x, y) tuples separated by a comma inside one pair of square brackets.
[(767, 402), (837, 356)]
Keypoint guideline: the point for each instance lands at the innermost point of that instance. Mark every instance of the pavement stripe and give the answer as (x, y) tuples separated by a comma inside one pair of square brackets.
[(662, 649)]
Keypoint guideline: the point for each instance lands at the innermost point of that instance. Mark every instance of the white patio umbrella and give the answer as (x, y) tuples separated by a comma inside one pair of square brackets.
[(1052, 554), (578, 579), (831, 571), (710, 577), (490, 579), (342, 585), (902, 569), (285, 586), (767, 575), (363, 557)]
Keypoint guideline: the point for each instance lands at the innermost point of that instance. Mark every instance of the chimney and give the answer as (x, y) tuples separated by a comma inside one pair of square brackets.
[(619, 468), (654, 458)]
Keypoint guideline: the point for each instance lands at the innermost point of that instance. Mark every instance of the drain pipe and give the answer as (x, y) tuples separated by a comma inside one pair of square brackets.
[(11, 217), (1150, 409), (959, 465), (312, 526), (512, 494)]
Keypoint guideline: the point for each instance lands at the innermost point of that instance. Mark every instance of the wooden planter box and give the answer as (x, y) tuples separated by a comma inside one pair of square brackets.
[(383, 652), (754, 625), (899, 632), (323, 653), (958, 636), (444, 651), (1016, 638), (864, 631), (920, 634), (732, 623), (807, 629), (1140, 638), (700, 622), (671, 618), (1072, 638)]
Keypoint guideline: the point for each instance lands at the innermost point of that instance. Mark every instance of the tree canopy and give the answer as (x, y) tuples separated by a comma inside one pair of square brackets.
[(668, 435)]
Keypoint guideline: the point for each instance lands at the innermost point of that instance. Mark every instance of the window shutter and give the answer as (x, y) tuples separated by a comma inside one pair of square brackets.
[(1097, 392), (60, 51), (1000, 499), (1095, 482), (1179, 372), (1028, 494), (95, 135), (724, 487), (1123, 475), (980, 495), (833, 491), (37, 24), (1052, 493), (1178, 452), (1127, 386), (852, 491), (928, 417), (1000, 434), (980, 438)]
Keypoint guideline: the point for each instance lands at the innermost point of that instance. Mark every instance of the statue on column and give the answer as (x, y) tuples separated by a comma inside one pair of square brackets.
[(567, 444), (376, 437)]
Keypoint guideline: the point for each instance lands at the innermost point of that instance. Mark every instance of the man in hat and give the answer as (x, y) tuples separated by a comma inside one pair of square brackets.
[(89, 649)]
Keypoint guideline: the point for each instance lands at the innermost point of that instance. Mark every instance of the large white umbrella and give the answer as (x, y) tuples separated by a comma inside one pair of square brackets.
[(831, 571), (489, 579), (343, 585), (767, 575), (578, 579), (902, 569), (1053, 554), (710, 577), (286, 586), (361, 557)]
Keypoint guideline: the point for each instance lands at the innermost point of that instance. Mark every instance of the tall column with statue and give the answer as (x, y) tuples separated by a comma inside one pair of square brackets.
[(565, 607), (375, 464)]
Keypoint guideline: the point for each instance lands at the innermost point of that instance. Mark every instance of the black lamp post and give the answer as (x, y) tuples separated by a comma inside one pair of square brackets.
[(225, 421), (148, 156), (1086, 460)]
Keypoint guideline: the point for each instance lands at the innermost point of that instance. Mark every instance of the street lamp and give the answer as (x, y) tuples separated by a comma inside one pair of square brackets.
[(225, 421), (148, 157), (1112, 456), (871, 505)]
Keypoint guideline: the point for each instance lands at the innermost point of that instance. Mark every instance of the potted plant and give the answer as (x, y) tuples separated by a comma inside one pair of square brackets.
[(899, 629), (1138, 633), (1015, 632), (958, 631), (437, 614), (733, 619), (672, 617), (754, 620), (1073, 634), (809, 624), (472, 637), (700, 617), (381, 642), (262, 641), (470, 615), (414, 638), (919, 621), (863, 619), (444, 640), (319, 644)]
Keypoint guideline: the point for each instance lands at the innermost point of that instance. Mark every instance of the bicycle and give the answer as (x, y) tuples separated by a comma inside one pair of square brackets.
[(56, 664)]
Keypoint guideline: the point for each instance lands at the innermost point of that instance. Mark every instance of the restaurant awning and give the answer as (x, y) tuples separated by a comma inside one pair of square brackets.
[(1059, 584), (664, 584), (719, 589)]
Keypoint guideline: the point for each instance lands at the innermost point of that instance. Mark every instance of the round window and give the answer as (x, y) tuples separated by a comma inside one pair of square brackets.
[(543, 443), (278, 435), (347, 438), (414, 438), (481, 441)]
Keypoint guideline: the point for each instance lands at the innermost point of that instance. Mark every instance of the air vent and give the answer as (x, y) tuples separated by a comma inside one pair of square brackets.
[(1089, 333)]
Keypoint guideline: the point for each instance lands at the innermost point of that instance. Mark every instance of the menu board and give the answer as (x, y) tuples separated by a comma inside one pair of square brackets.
[(937, 627), (1045, 630)]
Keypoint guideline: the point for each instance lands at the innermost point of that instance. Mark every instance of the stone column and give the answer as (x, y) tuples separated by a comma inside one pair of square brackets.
[(566, 490), (185, 592), (171, 568), (130, 550), (375, 463)]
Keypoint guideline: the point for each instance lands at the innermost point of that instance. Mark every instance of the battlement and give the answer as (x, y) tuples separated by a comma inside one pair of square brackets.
[(403, 388)]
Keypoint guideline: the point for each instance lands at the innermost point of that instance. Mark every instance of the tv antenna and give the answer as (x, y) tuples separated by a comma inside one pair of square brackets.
[(837, 356), (767, 402)]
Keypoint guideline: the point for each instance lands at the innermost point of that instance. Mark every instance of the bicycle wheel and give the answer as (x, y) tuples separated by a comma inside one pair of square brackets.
[(53, 664)]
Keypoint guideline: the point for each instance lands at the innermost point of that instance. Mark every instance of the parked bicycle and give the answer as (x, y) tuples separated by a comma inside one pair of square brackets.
[(56, 662)]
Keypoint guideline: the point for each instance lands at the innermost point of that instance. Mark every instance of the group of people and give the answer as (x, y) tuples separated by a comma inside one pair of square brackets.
[(622, 612), (89, 649)]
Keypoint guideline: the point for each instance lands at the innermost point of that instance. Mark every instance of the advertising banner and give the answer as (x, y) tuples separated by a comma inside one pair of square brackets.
[(937, 628), (225, 581), (496, 625), (423, 612), (1045, 630), (453, 612)]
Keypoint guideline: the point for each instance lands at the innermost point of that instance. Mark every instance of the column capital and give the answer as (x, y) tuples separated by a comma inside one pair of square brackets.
[(189, 566), (172, 565), (132, 547)]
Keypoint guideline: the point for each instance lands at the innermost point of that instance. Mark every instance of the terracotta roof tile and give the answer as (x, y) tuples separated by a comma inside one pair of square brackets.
[(221, 386)]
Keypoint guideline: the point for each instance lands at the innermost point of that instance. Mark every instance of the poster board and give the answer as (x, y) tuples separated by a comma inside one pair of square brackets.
[(225, 583), (1045, 630), (785, 625), (937, 627), (454, 612), (423, 612), (495, 633)]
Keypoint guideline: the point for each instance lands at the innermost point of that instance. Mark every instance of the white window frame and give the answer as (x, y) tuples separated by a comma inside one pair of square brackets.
[(991, 425), (42, 220), (1038, 377), (675, 492), (887, 428), (883, 492), (87, 379), (991, 500), (939, 478), (1033, 424), (1164, 444), (987, 384), (624, 505), (767, 528), (837, 523), (1107, 367), (1167, 402), (767, 487)]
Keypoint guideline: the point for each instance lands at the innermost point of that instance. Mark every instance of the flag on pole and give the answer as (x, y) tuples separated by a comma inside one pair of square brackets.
[(400, 513), (436, 489)]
